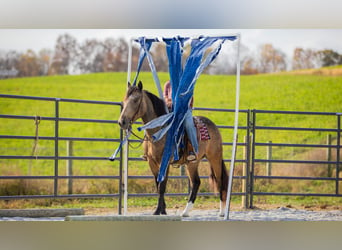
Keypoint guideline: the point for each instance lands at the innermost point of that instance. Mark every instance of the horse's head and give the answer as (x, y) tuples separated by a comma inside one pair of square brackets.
[(131, 109)]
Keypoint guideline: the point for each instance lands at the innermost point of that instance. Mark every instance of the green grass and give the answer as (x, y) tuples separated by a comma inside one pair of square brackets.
[(265, 92)]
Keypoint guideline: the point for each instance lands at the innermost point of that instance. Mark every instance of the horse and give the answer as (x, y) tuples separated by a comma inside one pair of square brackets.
[(139, 103)]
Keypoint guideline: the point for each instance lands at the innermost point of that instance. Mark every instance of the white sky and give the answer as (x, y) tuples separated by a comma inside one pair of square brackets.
[(283, 39)]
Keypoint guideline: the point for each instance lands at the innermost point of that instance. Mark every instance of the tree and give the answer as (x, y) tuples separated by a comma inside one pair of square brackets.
[(304, 59), (90, 57), (329, 58), (8, 64), (249, 66), (271, 59), (64, 59), (159, 57), (120, 55), (28, 64), (44, 61)]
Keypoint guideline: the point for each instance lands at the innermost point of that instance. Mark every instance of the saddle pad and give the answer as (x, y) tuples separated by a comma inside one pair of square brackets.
[(202, 129)]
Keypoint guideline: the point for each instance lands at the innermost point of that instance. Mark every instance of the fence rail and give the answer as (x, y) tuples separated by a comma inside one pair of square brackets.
[(249, 160)]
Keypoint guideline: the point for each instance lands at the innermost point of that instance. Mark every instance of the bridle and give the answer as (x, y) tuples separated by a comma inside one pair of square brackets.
[(145, 138)]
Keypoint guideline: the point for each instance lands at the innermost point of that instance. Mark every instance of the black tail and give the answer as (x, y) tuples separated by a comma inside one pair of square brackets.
[(222, 185)]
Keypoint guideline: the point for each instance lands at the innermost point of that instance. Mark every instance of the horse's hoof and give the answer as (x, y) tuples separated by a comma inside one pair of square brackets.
[(160, 213), (185, 215)]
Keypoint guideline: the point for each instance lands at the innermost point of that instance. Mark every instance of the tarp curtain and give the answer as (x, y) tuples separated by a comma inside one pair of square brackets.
[(182, 81)]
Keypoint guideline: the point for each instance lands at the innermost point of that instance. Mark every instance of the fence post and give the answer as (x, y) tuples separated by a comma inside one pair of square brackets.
[(251, 180), (269, 157), (55, 186), (244, 186), (338, 147), (69, 148)]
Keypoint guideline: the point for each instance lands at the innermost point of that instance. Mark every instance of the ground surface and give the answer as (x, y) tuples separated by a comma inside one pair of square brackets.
[(273, 214)]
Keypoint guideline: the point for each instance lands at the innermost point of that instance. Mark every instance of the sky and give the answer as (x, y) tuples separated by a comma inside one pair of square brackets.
[(284, 39)]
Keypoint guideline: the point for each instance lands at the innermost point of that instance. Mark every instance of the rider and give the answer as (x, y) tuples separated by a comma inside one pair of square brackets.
[(168, 100)]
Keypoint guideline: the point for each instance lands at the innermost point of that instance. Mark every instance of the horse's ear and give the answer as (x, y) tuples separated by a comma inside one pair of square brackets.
[(140, 85), (128, 85)]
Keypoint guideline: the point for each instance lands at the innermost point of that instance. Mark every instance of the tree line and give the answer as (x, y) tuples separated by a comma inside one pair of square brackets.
[(111, 55)]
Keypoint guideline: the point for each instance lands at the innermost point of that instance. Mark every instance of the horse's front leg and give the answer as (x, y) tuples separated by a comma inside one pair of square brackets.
[(161, 206), (195, 182)]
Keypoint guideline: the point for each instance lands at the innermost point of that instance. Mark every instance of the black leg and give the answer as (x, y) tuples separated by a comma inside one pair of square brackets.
[(161, 207), (196, 182)]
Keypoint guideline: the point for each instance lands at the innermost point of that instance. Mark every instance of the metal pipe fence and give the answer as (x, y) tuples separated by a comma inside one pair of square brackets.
[(56, 156), (256, 129), (251, 128)]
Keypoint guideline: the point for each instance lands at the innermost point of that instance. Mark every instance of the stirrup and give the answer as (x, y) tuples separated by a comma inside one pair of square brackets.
[(191, 157)]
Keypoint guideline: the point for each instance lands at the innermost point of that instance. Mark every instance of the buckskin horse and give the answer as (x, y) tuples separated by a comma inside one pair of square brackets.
[(139, 103)]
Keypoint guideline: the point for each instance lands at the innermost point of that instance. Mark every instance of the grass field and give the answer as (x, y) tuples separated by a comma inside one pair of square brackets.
[(285, 91)]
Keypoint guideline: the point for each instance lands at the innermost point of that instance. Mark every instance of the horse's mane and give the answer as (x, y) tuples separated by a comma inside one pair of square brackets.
[(158, 104)]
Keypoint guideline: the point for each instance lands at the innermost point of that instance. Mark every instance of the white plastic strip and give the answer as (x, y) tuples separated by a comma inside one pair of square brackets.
[(236, 122), (125, 146)]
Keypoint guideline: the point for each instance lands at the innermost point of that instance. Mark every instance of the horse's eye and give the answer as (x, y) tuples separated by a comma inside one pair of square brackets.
[(135, 100)]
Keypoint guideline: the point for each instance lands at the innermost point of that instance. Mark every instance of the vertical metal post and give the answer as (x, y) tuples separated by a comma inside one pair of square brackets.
[(235, 137), (244, 198), (251, 187), (329, 155), (120, 174), (55, 187), (338, 148), (69, 172), (124, 155), (248, 159), (269, 157), (125, 176)]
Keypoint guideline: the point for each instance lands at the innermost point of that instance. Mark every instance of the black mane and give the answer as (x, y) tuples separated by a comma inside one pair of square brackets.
[(158, 104)]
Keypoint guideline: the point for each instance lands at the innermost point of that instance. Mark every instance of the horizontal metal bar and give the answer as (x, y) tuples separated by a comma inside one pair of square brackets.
[(220, 110), (27, 157), (294, 112), (295, 145), (59, 138), (69, 196), (202, 160), (295, 161), (230, 127), (45, 118), (52, 177), (174, 177), (86, 120), (297, 178), (297, 194), (296, 129), (59, 99), (177, 194), (28, 117)]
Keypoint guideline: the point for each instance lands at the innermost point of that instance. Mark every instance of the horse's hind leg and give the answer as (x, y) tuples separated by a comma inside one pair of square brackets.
[(195, 182), (219, 178)]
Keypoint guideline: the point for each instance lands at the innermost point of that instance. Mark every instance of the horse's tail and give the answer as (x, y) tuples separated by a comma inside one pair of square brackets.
[(219, 185)]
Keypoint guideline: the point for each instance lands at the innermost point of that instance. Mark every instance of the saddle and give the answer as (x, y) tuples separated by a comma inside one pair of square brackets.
[(202, 135)]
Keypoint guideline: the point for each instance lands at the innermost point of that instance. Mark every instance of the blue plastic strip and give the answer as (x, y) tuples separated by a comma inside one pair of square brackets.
[(123, 142), (183, 81), (145, 52)]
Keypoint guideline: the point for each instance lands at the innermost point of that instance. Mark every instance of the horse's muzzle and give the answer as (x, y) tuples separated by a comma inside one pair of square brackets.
[(124, 123)]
